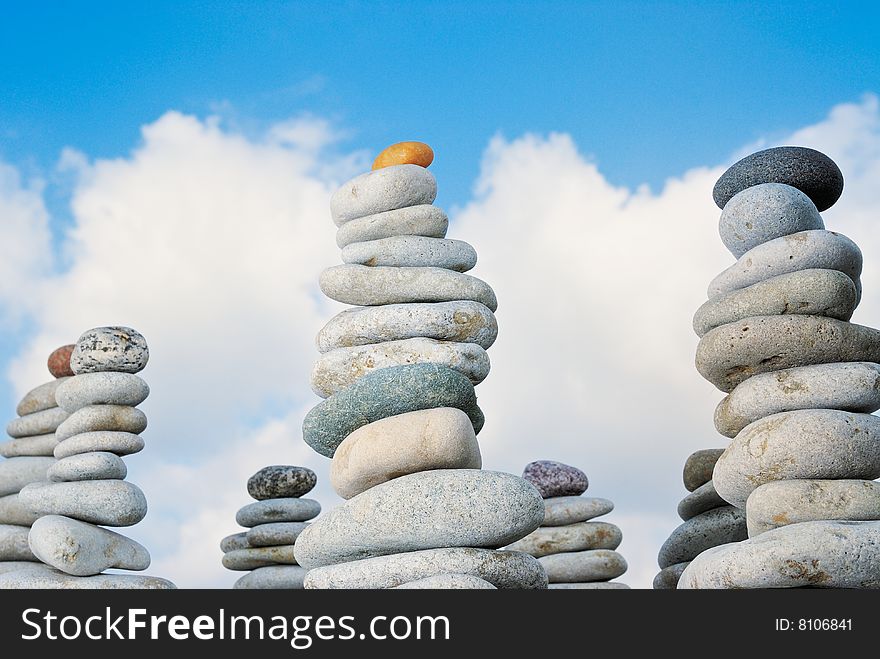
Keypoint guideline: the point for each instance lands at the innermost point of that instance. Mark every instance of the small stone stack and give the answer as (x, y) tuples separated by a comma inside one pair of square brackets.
[(274, 522), (575, 552), (400, 416), (801, 383), (86, 486), (709, 520), (29, 455)]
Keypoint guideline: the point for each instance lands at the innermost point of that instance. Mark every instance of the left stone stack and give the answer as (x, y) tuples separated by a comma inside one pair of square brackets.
[(86, 485), (30, 454), (274, 522)]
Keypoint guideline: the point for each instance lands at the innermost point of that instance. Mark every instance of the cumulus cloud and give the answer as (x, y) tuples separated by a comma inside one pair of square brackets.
[(210, 242)]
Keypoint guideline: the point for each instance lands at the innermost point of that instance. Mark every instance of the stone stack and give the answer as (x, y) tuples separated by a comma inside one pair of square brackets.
[(86, 485), (575, 551), (709, 520), (400, 416), (273, 524), (29, 454), (801, 383)]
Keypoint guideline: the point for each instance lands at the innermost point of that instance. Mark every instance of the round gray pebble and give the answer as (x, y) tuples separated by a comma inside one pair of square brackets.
[(277, 510), (763, 212), (38, 423), (462, 321), (119, 349), (106, 502), (804, 444), (584, 566), (805, 292), (412, 252), (384, 393), (572, 537), (731, 354), (272, 535), (382, 190), (422, 220), (107, 388), (560, 511), (235, 541), (699, 501), (817, 249), (119, 443), (273, 577), (698, 467), (280, 482), (848, 386), (88, 467), (708, 529), (95, 418)]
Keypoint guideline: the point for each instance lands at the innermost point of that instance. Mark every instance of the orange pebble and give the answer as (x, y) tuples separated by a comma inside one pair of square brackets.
[(405, 153)]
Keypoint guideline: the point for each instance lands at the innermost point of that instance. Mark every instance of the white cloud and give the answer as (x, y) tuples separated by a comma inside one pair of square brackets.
[(210, 243)]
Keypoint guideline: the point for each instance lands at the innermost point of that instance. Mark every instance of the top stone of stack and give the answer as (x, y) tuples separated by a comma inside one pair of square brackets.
[(405, 153), (59, 361), (556, 479), (105, 349)]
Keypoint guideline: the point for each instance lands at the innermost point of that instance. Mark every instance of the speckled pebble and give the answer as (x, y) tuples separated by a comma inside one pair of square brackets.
[(15, 473), (96, 418), (560, 511), (234, 541), (382, 190), (555, 479), (107, 502), (40, 398), (280, 482), (107, 388), (412, 251), (572, 537), (12, 511), (110, 349), (120, 443), (277, 510), (36, 445), (698, 467), (708, 529), (275, 534), (699, 501), (584, 566), (14, 543), (88, 467), (38, 423), (423, 220)]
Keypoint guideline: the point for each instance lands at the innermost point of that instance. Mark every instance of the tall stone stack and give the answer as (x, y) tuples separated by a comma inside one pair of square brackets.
[(273, 524), (576, 552), (709, 520), (801, 383), (400, 416), (86, 489), (28, 455)]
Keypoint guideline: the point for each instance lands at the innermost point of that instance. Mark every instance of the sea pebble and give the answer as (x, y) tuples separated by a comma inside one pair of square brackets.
[(277, 510), (763, 212), (119, 443), (462, 321), (38, 423), (439, 438), (59, 361), (789, 502), (699, 501), (817, 249), (15, 473), (379, 285), (82, 549), (107, 388), (110, 349), (560, 511), (382, 190), (808, 170), (385, 393), (412, 252), (581, 566), (708, 529), (107, 502), (447, 582), (40, 398), (698, 467), (13, 511), (234, 541), (667, 578), (555, 479), (38, 445), (573, 537), (338, 369), (804, 444), (422, 220), (503, 569), (821, 554), (731, 354), (805, 292), (849, 386), (43, 577), (14, 543), (95, 418), (404, 153), (254, 557), (88, 467), (275, 534), (280, 482), (427, 510), (277, 577)]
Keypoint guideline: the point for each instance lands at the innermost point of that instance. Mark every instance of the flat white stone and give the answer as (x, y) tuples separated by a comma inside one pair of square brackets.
[(97, 418), (119, 443), (15, 473), (38, 423), (88, 467), (107, 502), (103, 388), (382, 190), (37, 445)]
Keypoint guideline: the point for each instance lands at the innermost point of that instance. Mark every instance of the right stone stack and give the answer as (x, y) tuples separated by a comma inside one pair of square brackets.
[(801, 383), (577, 553)]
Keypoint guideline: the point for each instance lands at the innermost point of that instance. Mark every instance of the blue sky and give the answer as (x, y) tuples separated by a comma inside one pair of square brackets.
[(205, 236)]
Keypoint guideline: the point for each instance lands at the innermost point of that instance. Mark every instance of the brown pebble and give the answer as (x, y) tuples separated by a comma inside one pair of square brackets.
[(405, 153), (59, 361)]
